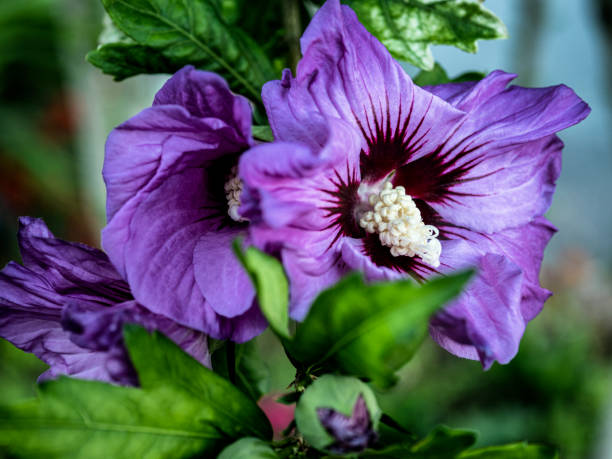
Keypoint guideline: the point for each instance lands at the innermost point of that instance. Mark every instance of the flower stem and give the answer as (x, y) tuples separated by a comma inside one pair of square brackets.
[(293, 30)]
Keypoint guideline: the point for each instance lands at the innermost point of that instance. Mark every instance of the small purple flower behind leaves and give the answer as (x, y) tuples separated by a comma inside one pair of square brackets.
[(352, 433)]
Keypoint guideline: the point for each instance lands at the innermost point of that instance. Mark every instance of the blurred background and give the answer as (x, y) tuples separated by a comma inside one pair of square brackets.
[(55, 113)]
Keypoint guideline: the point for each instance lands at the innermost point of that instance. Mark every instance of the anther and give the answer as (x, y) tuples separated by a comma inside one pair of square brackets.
[(233, 189), (398, 222)]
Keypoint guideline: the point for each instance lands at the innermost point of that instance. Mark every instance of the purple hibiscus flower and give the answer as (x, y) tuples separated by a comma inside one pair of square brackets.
[(67, 304), (173, 197), (376, 174)]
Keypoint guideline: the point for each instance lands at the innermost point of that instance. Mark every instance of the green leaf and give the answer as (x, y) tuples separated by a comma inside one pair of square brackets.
[(439, 76), (468, 76), (371, 330), (271, 284), (441, 443), (189, 32), (182, 409), (521, 450), (263, 133), (76, 419), (123, 60), (250, 373), (432, 77), (248, 448), (339, 393), (160, 363), (408, 27), (444, 442)]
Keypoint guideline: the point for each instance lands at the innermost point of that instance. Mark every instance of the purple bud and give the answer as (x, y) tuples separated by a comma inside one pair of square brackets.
[(352, 433)]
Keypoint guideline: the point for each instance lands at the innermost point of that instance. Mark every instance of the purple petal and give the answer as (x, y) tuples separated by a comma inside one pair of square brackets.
[(485, 323), (524, 246), (67, 306), (352, 433), (487, 191), (222, 280), (207, 95), (81, 271), (165, 171), (346, 73)]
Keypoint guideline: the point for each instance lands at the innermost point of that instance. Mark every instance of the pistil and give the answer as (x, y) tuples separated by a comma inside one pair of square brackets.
[(395, 217), (233, 189)]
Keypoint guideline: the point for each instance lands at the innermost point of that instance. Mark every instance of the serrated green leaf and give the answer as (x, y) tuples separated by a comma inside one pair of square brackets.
[(339, 393), (124, 60), (371, 330), (521, 450), (193, 32), (250, 374), (408, 27), (248, 448), (183, 409), (271, 284)]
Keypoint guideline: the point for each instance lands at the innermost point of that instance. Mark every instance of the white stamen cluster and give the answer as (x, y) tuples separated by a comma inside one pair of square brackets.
[(397, 220), (233, 188)]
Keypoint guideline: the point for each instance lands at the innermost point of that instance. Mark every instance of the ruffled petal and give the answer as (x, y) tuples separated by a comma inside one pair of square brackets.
[(346, 73), (81, 271), (207, 95), (498, 167), (101, 330), (165, 171), (301, 189), (67, 306), (488, 193), (524, 246), (485, 322)]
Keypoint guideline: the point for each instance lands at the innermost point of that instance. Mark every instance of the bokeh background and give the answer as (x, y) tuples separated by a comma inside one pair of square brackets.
[(56, 110)]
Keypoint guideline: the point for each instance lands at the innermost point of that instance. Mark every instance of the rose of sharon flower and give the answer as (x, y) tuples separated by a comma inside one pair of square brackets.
[(172, 206), (67, 305), (373, 173)]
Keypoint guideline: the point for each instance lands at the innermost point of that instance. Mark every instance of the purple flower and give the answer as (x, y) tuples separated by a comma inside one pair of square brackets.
[(173, 197), (67, 305), (353, 433), (376, 174)]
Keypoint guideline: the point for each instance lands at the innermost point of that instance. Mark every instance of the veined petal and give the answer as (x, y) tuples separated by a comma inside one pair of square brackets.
[(302, 188), (485, 323), (38, 315), (165, 172), (487, 192), (498, 167), (346, 73), (523, 245), (168, 226), (207, 95)]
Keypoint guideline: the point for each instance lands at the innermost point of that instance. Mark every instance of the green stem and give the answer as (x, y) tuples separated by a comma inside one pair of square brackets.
[(293, 30)]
